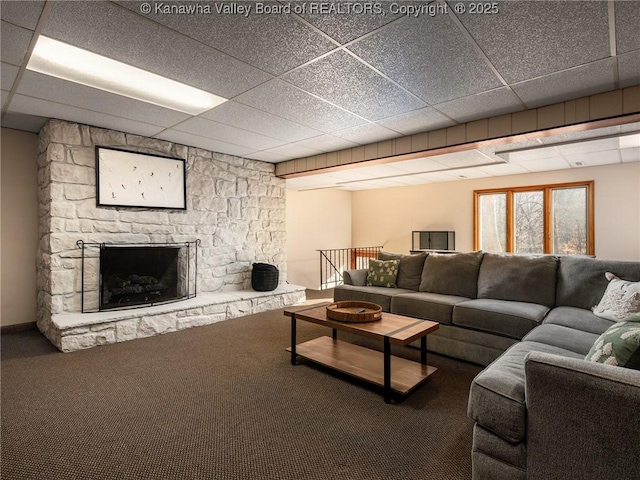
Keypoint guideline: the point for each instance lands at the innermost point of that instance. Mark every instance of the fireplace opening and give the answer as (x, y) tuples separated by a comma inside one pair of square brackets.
[(133, 276)]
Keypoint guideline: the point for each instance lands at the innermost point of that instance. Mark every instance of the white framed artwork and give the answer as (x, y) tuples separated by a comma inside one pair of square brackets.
[(131, 179)]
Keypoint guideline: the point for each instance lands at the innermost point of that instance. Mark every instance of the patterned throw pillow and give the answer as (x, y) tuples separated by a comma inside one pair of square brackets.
[(382, 273), (619, 345), (621, 300)]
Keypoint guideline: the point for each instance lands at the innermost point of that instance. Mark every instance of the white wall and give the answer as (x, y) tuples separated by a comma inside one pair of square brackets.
[(19, 238), (316, 219), (387, 216)]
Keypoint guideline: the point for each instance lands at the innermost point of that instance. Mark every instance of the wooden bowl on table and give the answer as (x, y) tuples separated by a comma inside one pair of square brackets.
[(354, 311)]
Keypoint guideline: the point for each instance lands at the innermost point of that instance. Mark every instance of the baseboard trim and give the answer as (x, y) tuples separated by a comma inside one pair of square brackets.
[(19, 327)]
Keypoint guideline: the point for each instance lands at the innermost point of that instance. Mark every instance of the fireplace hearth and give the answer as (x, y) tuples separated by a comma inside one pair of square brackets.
[(139, 275)]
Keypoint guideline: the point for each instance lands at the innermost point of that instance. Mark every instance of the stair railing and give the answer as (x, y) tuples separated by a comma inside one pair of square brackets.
[(333, 262)]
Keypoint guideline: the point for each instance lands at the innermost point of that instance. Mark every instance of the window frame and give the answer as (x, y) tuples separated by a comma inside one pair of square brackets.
[(547, 190)]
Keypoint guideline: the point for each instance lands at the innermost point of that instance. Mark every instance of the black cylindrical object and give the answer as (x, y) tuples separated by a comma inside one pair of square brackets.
[(264, 277)]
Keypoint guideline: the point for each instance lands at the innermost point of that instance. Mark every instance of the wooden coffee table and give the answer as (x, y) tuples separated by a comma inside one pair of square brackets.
[(393, 373)]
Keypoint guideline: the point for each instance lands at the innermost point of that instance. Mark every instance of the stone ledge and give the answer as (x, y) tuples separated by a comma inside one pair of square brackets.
[(78, 331)]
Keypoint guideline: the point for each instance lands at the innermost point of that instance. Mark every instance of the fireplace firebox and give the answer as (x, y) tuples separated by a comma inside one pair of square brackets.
[(138, 275), (131, 276)]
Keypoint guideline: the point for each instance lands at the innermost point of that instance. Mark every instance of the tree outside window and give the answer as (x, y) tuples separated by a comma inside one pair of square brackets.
[(556, 219)]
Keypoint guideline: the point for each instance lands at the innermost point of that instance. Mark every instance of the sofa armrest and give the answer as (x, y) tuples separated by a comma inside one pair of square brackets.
[(582, 419), (355, 277)]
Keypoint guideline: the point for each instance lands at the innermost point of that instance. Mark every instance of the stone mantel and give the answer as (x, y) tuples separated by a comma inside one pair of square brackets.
[(236, 206)]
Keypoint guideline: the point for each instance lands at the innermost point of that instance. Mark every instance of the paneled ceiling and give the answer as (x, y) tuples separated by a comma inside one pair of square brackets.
[(304, 83)]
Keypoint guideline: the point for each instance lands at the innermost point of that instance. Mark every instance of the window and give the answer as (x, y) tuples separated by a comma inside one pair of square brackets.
[(554, 219)]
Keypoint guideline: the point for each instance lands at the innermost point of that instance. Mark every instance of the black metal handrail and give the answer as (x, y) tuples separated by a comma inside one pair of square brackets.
[(334, 261)]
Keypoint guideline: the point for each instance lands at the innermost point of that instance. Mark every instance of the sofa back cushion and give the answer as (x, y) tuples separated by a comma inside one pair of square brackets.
[(518, 278), (451, 274), (411, 266), (581, 280)]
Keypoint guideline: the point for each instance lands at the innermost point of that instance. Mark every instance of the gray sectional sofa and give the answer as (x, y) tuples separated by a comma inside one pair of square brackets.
[(541, 410)]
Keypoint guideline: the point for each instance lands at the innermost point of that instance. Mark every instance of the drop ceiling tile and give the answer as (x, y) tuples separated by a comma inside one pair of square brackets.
[(629, 68), (22, 13), (627, 18), (419, 165), (14, 43), (544, 164), (468, 173), (202, 142), (385, 170), (628, 155), (482, 105), (267, 157), (56, 90), (503, 169), (20, 121), (385, 183), (45, 108), (593, 159), (8, 75), (225, 133), (278, 42), (293, 151), (436, 177), (596, 77), (515, 156), (589, 146), (428, 56), (531, 39), (284, 100), (582, 135), (249, 118), (345, 81), (466, 158), (342, 27), (417, 121), (326, 143), (115, 32), (629, 141), (367, 133)]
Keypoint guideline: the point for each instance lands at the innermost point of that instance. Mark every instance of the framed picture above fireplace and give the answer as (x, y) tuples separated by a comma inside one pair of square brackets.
[(131, 179)]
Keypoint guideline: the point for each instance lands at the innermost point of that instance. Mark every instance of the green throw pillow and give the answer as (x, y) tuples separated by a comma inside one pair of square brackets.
[(620, 302), (382, 273), (619, 345)]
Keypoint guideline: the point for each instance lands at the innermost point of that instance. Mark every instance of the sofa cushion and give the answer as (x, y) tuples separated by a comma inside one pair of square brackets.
[(382, 273), (497, 394), (581, 280), (511, 319), (518, 278), (619, 346), (451, 274), (410, 270), (380, 295), (577, 318), (568, 338), (428, 306), (620, 302)]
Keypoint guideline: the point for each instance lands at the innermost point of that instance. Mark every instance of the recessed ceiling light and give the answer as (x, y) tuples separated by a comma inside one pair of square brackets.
[(67, 62)]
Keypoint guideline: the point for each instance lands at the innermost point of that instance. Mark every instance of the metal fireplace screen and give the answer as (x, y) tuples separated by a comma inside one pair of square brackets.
[(139, 275)]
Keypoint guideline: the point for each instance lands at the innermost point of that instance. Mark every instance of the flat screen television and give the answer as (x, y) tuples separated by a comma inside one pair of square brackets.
[(434, 240)]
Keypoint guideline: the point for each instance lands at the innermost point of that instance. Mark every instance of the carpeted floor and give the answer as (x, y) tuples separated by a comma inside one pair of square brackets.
[(221, 402)]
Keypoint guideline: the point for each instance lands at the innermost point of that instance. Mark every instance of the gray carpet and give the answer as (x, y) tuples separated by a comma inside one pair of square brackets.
[(221, 402)]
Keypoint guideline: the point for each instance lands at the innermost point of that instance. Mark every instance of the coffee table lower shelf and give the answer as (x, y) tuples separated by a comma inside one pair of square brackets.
[(364, 363)]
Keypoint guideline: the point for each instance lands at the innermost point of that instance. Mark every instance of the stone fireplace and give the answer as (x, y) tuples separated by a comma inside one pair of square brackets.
[(235, 208)]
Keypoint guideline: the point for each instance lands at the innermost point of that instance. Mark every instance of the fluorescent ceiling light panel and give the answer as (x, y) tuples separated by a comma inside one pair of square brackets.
[(64, 61)]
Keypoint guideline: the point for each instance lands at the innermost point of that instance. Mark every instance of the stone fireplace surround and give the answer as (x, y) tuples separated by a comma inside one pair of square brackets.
[(235, 206)]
